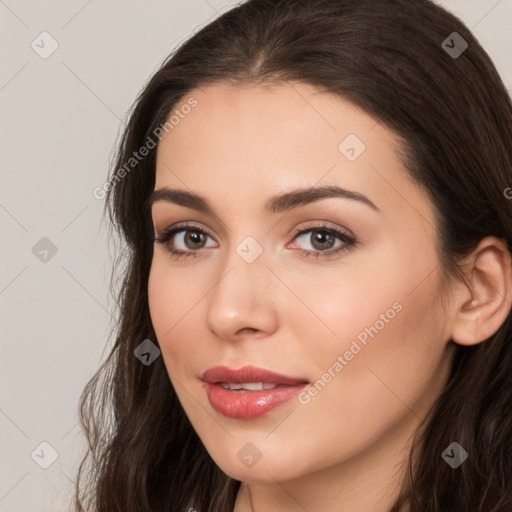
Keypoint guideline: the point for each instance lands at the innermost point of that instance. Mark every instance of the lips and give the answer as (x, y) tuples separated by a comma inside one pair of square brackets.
[(248, 392)]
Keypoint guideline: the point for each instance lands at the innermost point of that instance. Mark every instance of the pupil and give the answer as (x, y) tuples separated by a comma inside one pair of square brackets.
[(322, 237), (194, 237)]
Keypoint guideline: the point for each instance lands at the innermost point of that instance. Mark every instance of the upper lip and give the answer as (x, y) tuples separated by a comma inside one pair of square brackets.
[(248, 374)]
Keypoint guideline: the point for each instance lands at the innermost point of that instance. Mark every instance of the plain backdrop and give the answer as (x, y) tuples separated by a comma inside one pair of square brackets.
[(60, 117)]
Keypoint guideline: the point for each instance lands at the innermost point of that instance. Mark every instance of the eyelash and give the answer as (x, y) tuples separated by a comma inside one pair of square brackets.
[(349, 241)]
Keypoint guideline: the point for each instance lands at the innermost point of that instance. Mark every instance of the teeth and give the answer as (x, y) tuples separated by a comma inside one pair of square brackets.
[(249, 386), (252, 386)]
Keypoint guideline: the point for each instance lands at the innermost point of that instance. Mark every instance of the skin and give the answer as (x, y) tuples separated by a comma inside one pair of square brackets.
[(294, 314)]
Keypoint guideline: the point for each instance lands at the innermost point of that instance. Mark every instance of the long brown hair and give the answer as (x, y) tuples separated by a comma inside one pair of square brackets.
[(449, 106)]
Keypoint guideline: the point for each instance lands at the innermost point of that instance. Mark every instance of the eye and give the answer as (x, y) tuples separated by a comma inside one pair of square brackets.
[(189, 240), (322, 240), (184, 240)]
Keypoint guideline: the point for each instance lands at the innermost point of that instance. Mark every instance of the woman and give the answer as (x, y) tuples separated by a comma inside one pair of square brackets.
[(315, 309)]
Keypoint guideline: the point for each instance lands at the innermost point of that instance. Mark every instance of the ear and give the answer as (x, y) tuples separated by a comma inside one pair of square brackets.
[(485, 303)]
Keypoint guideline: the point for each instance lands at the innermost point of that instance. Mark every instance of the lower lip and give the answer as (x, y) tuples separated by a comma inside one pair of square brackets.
[(244, 404)]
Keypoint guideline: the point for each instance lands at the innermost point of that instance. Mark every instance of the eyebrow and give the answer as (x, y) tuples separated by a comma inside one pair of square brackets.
[(276, 204)]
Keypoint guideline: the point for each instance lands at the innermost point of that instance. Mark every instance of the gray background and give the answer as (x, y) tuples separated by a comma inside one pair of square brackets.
[(60, 119)]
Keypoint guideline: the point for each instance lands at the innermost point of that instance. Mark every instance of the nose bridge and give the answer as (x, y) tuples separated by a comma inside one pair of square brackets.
[(242, 297), (246, 259)]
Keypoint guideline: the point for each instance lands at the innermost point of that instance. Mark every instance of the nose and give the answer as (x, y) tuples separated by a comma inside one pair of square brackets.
[(243, 300)]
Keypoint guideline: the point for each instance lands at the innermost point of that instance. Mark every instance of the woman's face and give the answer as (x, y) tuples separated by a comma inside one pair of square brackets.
[(349, 308)]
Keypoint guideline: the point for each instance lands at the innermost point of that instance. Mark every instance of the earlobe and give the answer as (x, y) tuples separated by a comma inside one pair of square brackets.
[(485, 304)]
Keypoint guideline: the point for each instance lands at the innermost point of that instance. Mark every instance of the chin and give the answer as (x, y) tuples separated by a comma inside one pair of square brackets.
[(247, 465)]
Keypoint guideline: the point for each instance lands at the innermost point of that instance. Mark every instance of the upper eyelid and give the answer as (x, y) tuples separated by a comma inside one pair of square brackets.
[(318, 224), (182, 226)]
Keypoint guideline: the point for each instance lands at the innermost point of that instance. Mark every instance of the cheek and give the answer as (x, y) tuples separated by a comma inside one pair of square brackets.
[(380, 385), (161, 294), (365, 305), (379, 339), (177, 301), (170, 299), (389, 300)]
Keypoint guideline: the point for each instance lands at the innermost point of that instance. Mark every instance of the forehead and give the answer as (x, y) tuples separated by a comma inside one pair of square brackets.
[(293, 111), (270, 128), (252, 142)]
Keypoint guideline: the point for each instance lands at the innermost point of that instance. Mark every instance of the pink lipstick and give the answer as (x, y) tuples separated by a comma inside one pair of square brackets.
[(248, 392)]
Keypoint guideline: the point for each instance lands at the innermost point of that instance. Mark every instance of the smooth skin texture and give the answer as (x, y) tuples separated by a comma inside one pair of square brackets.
[(295, 314)]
